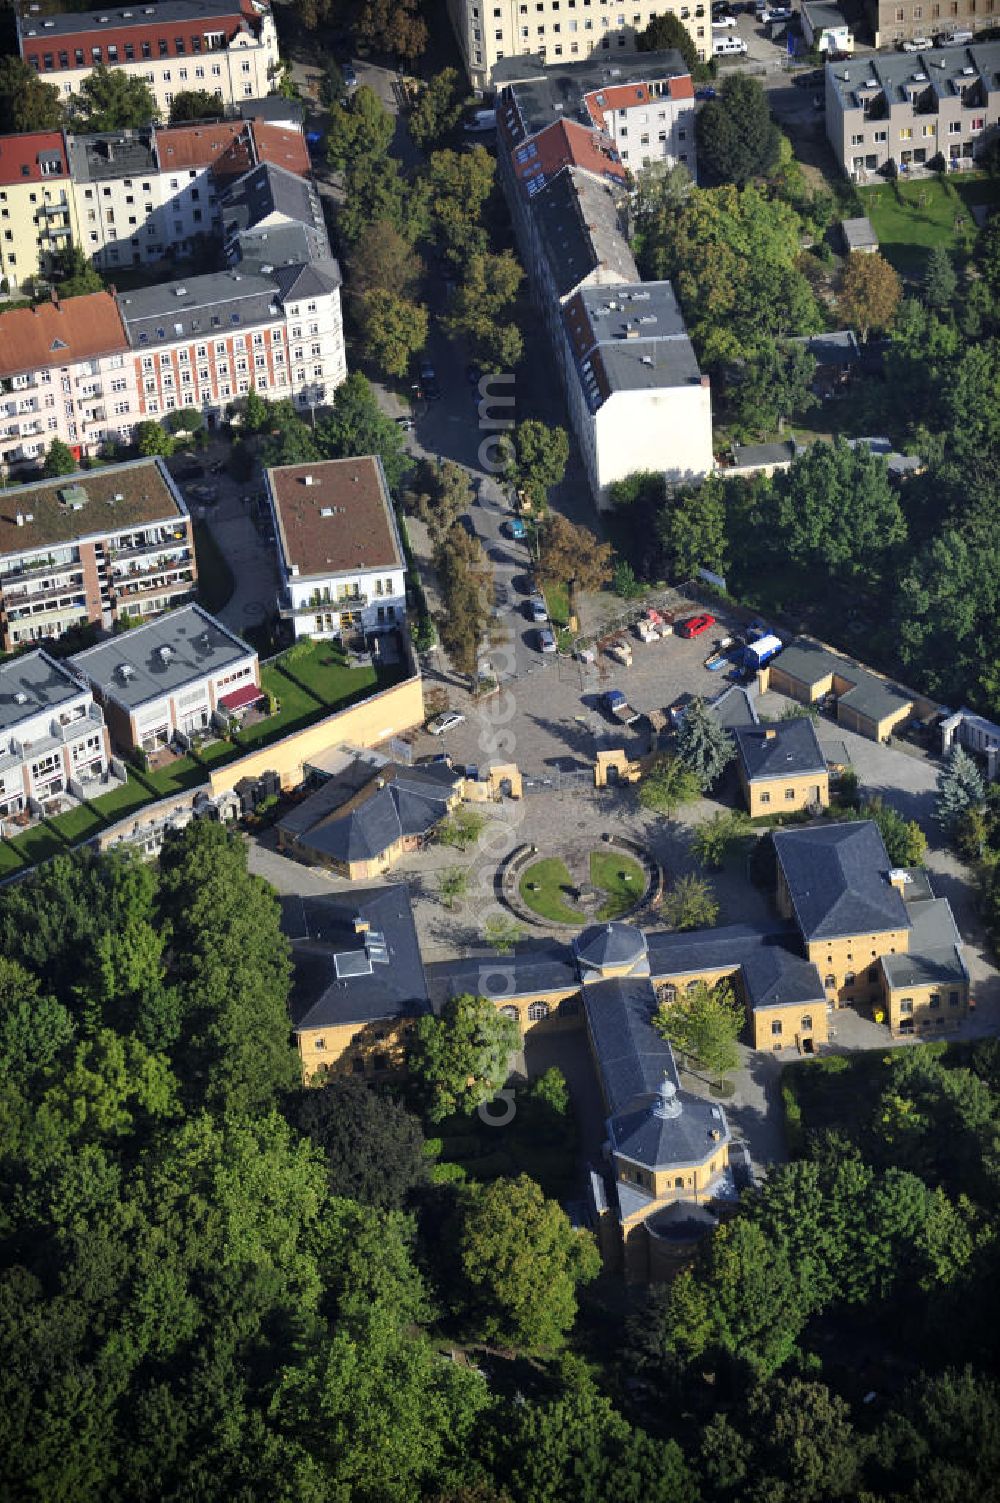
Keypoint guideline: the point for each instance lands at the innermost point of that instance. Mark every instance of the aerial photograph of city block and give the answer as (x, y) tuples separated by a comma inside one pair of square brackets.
[(500, 989)]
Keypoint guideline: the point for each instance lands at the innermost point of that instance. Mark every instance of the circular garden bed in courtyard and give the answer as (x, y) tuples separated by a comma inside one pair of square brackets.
[(599, 884)]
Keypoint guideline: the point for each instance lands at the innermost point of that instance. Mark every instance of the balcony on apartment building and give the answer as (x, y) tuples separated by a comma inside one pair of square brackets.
[(146, 583), (63, 731), (21, 602), (317, 602), (30, 568), (137, 545)]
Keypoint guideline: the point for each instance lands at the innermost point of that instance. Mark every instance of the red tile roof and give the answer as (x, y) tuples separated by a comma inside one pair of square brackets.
[(565, 144), (19, 156), (201, 145), (281, 147), (60, 333), (630, 96)]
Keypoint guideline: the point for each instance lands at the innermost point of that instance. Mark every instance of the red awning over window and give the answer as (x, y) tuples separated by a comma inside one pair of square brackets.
[(240, 698)]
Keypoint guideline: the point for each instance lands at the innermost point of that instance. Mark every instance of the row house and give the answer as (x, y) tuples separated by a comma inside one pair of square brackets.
[(37, 210), (52, 735), (635, 395), (910, 108), (206, 341), (170, 678), (140, 196), (100, 546), (66, 373), (176, 46), (340, 558), (500, 41), (894, 21)]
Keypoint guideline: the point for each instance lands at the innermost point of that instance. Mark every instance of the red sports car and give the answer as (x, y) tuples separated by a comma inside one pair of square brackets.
[(694, 626)]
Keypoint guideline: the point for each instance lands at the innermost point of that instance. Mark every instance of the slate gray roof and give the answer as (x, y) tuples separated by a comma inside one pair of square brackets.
[(313, 280), (935, 953), (577, 223), (838, 880), (772, 971), (270, 189), (166, 13), (204, 306), (789, 748), (870, 696), (181, 647), (110, 154), (859, 233), (734, 707), (411, 801), (263, 249), (272, 107), (759, 456), (543, 94), (774, 977), (614, 944), (527, 973), (32, 682), (840, 348), (822, 14), (323, 928), (655, 353), (947, 72), (634, 1061)]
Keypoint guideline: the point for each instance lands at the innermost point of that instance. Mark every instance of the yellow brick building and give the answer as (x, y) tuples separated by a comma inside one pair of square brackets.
[(37, 210), (781, 767)]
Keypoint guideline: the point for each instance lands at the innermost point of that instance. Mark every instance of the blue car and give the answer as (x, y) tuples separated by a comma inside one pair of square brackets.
[(516, 529), (705, 93), (349, 76)]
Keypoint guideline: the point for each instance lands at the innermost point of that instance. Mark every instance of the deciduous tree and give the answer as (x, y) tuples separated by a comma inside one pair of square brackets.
[(27, 103), (904, 840), (394, 26), (870, 293), (383, 258), (667, 786), (691, 530), (665, 32), (836, 509), (690, 904), (571, 554), (394, 330), (538, 456), (74, 275), (773, 386), (523, 1261), (488, 288), (704, 1024), (359, 133), (737, 138), (150, 438), (195, 104), (462, 1058), (113, 99), (59, 460), (372, 1146), (357, 425), (439, 108)]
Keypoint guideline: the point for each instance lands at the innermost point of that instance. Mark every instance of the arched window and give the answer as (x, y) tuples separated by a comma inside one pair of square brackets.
[(679, 1182), (830, 982), (849, 978), (510, 1012), (806, 1024), (537, 1011)]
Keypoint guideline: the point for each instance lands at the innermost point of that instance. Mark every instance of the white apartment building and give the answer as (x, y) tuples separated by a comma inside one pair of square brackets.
[(97, 546), (225, 48), (495, 39), (204, 342), (66, 373), (341, 560), (53, 738), (142, 195), (170, 676), (637, 399), (648, 121)]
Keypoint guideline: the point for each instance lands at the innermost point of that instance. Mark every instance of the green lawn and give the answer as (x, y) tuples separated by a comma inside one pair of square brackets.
[(215, 578), (296, 706), (609, 871), (10, 860), (78, 824), (911, 217), (122, 800), (323, 671), (549, 878), (182, 774), (216, 752), (557, 603), (37, 845)]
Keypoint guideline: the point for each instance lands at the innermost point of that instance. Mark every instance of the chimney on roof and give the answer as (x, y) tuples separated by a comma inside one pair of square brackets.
[(770, 733), (55, 298)]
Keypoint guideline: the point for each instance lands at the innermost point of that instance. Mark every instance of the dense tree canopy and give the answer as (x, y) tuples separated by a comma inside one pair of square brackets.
[(737, 138), (112, 99), (26, 102)]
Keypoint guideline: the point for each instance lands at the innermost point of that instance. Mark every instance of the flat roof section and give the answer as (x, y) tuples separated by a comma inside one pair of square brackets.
[(31, 683), (180, 648), (88, 504), (149, 17), (334, 517)]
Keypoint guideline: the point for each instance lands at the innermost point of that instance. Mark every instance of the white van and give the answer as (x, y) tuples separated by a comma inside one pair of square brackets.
[(729, 47)]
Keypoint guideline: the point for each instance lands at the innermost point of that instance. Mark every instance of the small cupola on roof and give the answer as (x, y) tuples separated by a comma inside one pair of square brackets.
[(611, 950), (667, 1103)]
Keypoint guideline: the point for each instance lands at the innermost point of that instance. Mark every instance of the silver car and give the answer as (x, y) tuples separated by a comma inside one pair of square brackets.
[(537, 609), (445, 722), (546, 640)]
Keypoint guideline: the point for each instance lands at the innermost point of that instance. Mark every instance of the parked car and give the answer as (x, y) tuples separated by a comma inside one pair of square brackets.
[(706, 92), (406, 423), (546, 640), (426, 370), (727, 46), (446, 722), (812, 78), (694, 626), (536, 608), (349, 76), (961, 37), (917, 44), (722, 23), (515, 529)]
